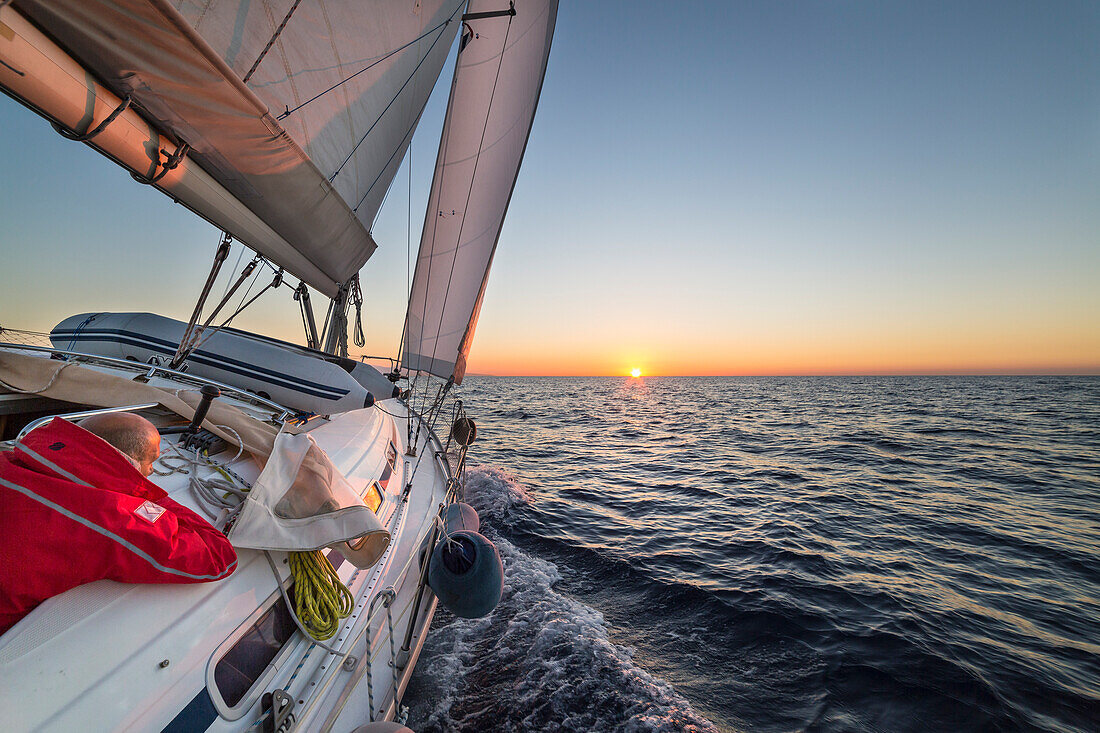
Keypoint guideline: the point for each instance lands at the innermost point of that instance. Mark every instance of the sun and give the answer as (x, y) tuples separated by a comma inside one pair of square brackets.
[(635, 372)]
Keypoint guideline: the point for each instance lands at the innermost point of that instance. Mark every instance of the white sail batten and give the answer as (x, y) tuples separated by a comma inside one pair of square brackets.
[(317, 177), (498, 78)]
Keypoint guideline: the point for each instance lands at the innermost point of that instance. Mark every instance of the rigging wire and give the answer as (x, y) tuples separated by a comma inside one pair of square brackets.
[(251, 285), (276, 282), (408, 227), (396, 150), (433, 415), (205, 333), (408, 255), (408, 133), (387, 107), (255, 279), (408, 242), (224, 245), (372, 64)]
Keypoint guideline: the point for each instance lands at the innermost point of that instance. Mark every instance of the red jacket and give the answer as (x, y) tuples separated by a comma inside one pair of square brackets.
[(73, 510)]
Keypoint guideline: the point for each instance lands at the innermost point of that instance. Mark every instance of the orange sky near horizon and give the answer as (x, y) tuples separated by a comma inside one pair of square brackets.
[(828, 365), (1053, 350)]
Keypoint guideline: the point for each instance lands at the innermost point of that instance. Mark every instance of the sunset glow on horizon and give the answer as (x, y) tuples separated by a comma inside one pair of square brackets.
[(966, 345)]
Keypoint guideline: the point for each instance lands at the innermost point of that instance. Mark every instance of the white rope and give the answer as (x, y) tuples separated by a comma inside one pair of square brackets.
[(221, 494)]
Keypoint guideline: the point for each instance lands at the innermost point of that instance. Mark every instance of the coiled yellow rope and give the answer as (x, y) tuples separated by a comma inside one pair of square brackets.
[(320, 597)]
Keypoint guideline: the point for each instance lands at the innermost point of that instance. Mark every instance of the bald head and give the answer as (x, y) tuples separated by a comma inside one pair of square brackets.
[(132, 434)]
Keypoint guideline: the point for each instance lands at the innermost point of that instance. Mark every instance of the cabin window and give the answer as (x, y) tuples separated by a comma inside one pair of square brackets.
[(387, 470), (246, 661), (372, 497)]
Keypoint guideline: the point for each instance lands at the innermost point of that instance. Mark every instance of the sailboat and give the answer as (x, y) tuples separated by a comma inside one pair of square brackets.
[(338, 484)]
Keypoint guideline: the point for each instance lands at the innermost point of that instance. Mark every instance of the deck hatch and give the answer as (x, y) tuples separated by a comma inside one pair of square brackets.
[(245, 662)]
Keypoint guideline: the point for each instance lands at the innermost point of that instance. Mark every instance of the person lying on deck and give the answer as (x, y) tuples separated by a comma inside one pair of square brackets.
[(76, 507), (133, 435)]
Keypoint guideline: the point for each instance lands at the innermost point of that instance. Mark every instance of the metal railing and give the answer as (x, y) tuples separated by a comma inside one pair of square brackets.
[(82, 414)]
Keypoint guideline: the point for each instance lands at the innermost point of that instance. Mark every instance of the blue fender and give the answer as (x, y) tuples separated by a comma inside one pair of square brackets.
[(458, 517), (466, 574)]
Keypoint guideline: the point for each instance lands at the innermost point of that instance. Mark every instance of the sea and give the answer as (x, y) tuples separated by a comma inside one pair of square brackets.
[(779, 554)]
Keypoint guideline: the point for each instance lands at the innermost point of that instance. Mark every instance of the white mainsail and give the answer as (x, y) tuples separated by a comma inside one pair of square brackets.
[(301, 111), (498, 77)]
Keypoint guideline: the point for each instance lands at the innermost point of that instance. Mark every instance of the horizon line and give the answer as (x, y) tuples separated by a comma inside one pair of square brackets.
[(1083, 373)]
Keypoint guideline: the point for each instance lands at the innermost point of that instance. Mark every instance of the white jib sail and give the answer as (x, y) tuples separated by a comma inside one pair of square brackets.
[(498, 77), (302, 110)]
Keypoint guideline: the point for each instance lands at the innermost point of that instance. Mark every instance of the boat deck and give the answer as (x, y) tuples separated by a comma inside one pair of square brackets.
[(109, 655)]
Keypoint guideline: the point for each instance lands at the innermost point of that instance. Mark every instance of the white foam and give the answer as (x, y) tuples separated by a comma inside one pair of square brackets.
[(493, 493), (542, 660)]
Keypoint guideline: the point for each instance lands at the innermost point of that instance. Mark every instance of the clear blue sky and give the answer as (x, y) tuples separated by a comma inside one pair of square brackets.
[(769, 187)]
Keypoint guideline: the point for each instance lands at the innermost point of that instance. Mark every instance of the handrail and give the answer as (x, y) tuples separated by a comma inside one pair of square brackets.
[(83, 413), (153, 369)]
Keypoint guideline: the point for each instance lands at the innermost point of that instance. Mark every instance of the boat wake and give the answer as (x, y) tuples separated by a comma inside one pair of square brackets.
[(541, 660)]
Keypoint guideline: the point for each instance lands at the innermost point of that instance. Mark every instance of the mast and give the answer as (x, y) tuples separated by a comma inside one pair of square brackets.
[(336, 332)]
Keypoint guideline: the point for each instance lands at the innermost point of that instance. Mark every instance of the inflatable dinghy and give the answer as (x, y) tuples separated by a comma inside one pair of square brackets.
[(294, 376)]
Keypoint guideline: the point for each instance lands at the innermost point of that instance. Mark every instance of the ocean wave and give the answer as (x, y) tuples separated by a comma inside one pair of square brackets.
[(821, 554), (494, 493), (542, 660)]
